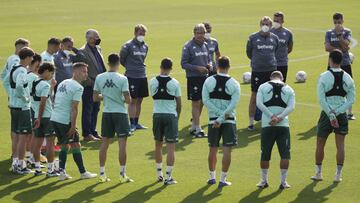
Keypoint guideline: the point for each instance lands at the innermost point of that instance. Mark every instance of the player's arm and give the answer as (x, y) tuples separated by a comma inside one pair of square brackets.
[(345, 42), (124, 52), (249, 49), (20, 82), (290, 106), (127, 98), (97, 96), (206, 99), (41, 112), (217, 53), (322, 100), (260, 102), (350, 97), (235, 98), (178, 106), (73, 117), (291, 44)]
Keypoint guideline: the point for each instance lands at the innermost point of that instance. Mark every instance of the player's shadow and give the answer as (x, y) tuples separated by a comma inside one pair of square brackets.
[(199, 195), (143, 194), (87, 194), (245, 137), (254, 196), (184, 140), (36, 193), (6, 176), (309, 195), (308, 134), (93, 145)]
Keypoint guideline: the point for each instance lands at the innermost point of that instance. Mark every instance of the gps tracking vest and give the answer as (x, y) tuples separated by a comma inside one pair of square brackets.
[(276, 99), (162, 93), (337, 89), (12, 82), (33, 90), (219, 90)]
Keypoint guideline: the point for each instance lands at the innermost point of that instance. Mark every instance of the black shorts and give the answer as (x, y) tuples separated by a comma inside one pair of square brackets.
[(283, 70), (138, 87), (324, 127), (194, 88), (270, 135), (61, 131), (346, 68), (259, 78)]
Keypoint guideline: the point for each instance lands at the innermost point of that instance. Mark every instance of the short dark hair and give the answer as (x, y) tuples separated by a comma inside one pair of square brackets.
[(21, 41), (26, 52), (338, 16), (207, 26), (54, 41), (140, 27), (279, 14), (336, 56), (113, 59), (36, 58), (67, 39), (224, 62), (46, 66), (277, 74), (79, 65), (166, 64)]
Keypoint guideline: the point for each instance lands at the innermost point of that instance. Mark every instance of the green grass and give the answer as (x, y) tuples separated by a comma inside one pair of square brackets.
[(170, 26)]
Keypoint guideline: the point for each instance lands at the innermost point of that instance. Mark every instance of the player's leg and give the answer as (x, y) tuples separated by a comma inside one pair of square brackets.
[(171, 137), (37, 142), (226, 160), (77, 156), (213, 140), (195, 85), (252, 110), (142, 92), (50, 154), (105, 142), (132, 112), (340, 155), (158, 160), (170, 160), (268, 138), (108, 123), (283, 144), (228, 132), (122, 159)]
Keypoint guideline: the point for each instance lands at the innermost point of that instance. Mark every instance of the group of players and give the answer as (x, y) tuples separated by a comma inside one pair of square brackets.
[(37, 113)]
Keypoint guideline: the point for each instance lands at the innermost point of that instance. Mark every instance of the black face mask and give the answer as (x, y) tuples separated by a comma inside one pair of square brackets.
[(97, 42)]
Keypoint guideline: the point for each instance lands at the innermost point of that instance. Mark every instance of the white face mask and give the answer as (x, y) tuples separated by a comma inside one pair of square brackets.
[(67, 52), (207, 35), (140, 38), (276, 25), (265, 28)]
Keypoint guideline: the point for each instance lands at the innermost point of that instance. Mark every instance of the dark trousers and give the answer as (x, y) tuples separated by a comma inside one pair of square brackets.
[(90, 110)]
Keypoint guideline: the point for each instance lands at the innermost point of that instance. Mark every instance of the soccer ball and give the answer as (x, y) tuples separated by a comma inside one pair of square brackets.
[(352, 57), (247, 77), (300, 76)]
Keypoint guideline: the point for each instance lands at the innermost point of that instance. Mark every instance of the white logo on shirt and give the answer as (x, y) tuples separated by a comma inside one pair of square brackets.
[(139, 53), (265, 47), (205, 53)]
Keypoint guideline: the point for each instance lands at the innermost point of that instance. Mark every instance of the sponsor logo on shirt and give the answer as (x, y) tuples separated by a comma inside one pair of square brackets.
[(205, 53), (282, 41), (109, 84), (271, 47), (62, 89), (139, 53)]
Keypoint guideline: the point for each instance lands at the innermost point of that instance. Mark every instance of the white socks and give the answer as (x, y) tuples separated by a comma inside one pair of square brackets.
[(168, 172), (212, 175), (159, 169), (123, 171), (102, 170), (223, 176), (264, 175), (251, 120), (284, 173), (339, 169), (318, 169)]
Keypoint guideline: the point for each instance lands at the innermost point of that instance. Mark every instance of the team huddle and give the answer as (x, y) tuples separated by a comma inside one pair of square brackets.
[(44, 92)]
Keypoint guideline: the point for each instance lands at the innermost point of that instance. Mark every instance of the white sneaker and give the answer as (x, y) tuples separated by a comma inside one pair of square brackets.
[(64, 176), (262, 184), (88, 175), (284, 185), (337, 178), (103, 178), (317, 177)]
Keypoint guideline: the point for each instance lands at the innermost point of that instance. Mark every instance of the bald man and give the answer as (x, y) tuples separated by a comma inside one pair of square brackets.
[(90, 54)]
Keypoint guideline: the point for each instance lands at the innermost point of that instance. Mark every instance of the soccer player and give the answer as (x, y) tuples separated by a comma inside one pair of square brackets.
[(166, 93), (197, 63), (42, 106), (53, 46), (64, 117), (285, 43), (339, 37), (336, 93), (10, 62), (221, 94), (213, 47), (132, 56), (113, 89), (276, 100), (261, 49), (20, 109)]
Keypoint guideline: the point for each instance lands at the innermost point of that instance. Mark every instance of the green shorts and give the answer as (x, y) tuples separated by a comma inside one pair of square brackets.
[(21, 121), (61, 131), (324, 127), (115, 123), (45, 129), (270, 135), (165, 125), (228, 133)]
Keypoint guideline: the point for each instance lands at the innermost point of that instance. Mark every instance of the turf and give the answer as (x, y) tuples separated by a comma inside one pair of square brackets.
[(170, 25)]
